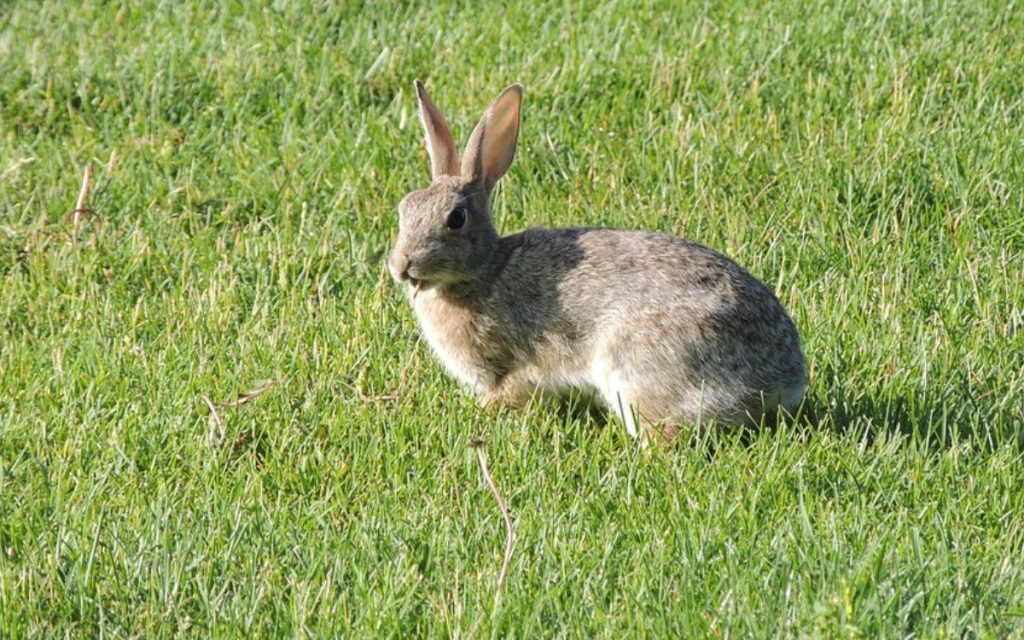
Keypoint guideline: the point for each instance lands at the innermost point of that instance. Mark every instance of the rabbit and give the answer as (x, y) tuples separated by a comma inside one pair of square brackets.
[(665, 331)]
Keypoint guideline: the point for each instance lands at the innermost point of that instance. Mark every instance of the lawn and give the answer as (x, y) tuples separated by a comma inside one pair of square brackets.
[(866, 160)]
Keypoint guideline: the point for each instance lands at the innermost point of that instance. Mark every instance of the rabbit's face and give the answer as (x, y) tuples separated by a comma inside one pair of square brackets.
[(445, 235)]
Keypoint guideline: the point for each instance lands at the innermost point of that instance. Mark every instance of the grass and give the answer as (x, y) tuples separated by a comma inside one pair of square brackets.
[(864, 159)]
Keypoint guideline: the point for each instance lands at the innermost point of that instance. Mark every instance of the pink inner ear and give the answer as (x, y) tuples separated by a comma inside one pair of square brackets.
[(499, 143)]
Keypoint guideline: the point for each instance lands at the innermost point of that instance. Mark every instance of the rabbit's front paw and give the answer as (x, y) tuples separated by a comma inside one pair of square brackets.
[(503, 396)]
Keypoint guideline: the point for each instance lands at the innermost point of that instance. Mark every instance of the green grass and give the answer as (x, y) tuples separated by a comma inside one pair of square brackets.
[(864, 159)]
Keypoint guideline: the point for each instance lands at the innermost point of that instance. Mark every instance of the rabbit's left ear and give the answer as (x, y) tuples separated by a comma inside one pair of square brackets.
[(444, 161), (492, 146)]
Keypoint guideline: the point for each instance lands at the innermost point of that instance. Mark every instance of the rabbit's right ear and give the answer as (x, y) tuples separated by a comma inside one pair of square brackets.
[(492, 146), (444, 160)]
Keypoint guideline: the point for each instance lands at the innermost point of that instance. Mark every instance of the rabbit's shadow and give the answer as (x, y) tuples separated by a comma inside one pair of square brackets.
[(935, 420)]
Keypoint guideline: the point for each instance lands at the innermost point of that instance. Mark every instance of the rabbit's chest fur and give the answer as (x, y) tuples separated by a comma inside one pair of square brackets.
[(489, 345), (453, 333)]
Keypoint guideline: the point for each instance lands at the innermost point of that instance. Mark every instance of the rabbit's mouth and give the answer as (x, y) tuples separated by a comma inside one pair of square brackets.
[(422, 279)]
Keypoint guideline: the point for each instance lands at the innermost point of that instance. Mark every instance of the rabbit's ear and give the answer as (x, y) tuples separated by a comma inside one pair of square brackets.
[(444, 161), (492, 146)]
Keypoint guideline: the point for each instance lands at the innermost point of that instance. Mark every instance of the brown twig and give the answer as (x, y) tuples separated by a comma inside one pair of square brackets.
[(479, 444), (218, 434)]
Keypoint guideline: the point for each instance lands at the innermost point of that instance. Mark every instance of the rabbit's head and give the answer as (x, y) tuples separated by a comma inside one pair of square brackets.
[(445, 232)]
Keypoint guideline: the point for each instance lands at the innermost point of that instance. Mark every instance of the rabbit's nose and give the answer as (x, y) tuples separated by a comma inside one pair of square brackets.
[(399, 267)]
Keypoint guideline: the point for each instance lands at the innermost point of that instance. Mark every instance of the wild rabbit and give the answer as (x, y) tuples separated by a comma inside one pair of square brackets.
[(667, 332)]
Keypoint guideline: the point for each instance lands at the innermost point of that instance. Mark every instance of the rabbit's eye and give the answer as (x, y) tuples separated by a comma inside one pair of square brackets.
[(456, 219)]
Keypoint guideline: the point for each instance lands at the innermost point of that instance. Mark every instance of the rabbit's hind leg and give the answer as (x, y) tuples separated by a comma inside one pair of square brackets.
[(650, 433), (616, 393)]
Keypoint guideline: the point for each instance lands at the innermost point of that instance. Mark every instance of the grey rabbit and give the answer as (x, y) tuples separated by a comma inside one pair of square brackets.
[(665, 331)]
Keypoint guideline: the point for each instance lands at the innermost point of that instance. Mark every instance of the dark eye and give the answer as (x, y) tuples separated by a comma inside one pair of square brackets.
[(456, 219)]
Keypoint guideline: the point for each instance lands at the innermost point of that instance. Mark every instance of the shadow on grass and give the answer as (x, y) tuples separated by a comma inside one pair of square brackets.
[(933, 419)]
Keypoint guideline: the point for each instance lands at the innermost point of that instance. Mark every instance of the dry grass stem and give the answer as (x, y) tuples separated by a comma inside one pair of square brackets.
[(82, 204), (217, 433), (83, 197), (479, 444), (248, 396)]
